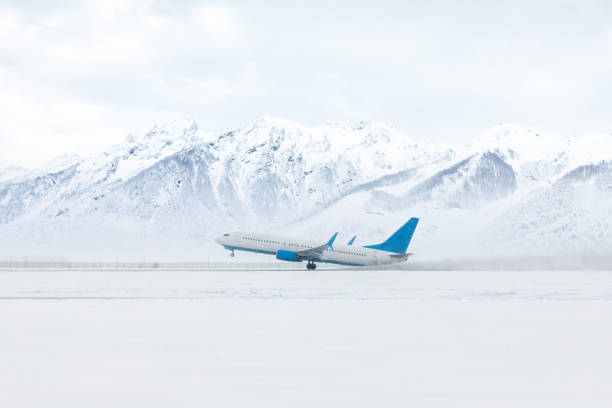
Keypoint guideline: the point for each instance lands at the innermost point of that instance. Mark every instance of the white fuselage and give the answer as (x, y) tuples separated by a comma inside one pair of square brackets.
[(338, 254)]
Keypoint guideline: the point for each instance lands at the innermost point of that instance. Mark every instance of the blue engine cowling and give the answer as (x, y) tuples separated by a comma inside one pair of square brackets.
[(285, 255)]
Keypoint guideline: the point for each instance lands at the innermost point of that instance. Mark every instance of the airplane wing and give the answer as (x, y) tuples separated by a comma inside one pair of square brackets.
[(313, 254)]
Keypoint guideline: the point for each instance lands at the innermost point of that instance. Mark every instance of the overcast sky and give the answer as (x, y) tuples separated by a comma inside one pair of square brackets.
[(79, 76)]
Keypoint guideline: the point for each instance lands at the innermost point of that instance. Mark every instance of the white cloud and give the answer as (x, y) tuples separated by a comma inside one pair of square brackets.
[(216, 20), (65, 74), (84, 74)]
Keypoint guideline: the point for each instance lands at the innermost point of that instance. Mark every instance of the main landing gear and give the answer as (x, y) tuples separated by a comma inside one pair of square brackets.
[(232, 253), (311, 265)]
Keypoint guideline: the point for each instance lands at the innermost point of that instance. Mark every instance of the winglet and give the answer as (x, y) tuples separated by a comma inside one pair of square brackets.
[(352, 240), (330, 243)]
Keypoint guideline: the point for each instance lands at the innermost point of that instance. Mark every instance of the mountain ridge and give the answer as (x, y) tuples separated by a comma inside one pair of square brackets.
[(178, 183)]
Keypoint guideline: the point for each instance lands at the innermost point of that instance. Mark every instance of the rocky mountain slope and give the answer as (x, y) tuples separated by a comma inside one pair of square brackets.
[(166, 193)]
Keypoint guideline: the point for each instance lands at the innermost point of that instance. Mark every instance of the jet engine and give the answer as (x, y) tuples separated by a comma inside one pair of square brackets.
[(285, 255)]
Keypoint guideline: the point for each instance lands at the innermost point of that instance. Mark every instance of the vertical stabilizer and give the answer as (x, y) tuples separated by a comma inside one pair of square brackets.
[(399, 241)]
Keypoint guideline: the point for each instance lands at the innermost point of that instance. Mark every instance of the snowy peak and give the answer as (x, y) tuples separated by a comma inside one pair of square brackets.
[(172, 184), (598, 174), (277, 169), (125, 160), (273, 122), (478, 179), (174, 127), (61, 162), (532, 144), (337, 135), (543, 155), (11, 172)]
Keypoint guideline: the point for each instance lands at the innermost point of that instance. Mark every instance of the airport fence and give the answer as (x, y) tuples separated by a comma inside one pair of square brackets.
[(27, 264)]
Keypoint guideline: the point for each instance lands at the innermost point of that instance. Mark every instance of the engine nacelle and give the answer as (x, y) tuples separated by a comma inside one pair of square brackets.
[(285, 255)]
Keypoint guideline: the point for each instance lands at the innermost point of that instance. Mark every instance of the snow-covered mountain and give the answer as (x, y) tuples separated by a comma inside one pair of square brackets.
[(166, 193)]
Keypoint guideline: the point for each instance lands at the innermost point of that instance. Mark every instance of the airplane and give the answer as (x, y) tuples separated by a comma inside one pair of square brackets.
[(392, 250)]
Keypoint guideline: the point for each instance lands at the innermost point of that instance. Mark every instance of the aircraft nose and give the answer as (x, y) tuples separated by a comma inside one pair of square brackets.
[(221, 239)]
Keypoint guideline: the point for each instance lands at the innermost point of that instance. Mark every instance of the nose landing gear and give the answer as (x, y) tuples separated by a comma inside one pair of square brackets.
[(232, 253), (311, 265)]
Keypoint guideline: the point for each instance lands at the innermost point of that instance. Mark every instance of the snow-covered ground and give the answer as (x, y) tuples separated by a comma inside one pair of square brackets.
[(298, 338)]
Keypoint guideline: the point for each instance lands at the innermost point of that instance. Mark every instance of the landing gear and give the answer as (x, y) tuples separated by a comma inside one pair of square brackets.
[(232, 254), (311, 266)]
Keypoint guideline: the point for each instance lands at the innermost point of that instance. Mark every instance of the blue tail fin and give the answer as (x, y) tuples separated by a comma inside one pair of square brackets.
[(398, 242)]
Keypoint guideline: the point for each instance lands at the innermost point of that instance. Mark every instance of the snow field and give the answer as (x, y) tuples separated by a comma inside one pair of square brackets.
[(297, 338)]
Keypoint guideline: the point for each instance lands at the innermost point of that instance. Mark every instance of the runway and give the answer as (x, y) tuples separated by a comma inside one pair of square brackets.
[(300, 338), (301, 284)]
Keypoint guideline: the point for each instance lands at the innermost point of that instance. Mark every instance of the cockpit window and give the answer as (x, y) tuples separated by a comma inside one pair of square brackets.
[(226, 235)]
